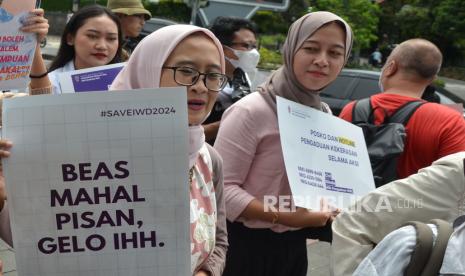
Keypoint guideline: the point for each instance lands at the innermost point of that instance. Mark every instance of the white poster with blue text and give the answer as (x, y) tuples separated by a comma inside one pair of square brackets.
[(97, 183), (326, 157)]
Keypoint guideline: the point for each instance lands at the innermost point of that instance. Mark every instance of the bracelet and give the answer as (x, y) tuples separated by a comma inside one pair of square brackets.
[(38, 76), (275, 218), (40, 90)]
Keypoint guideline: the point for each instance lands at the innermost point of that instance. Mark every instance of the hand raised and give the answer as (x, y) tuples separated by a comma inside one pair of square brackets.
[(36, 23)]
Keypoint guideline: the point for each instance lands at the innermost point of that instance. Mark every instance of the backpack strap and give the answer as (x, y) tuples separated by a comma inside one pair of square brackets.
[(422, 250), (459, 221), (440, 244), (362, 110), (427, 259), (402, 114)]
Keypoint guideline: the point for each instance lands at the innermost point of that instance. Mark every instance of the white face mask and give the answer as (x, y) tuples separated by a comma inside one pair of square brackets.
[(247, 60)]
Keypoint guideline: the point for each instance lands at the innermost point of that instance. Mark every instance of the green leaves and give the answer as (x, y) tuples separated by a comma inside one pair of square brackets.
[(361, 15), (442, 22)]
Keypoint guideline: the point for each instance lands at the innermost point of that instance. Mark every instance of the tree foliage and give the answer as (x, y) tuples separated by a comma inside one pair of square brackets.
[(270, 22), (442, 22), (66, 5), (361, 15), (449, 29), (175, 10)]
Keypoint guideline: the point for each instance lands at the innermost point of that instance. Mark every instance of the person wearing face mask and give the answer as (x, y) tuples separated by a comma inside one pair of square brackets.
[(238, 37), (263, 241), (434, 130)]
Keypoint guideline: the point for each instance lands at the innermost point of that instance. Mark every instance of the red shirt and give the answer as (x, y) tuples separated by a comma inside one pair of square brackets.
[(433, 131)]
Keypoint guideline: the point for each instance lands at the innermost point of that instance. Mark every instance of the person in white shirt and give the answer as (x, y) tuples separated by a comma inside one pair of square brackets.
[(394, 254), (435, 192), (91, 38)]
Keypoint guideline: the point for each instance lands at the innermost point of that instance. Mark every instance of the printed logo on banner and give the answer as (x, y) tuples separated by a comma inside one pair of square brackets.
[(298, 113), (95, 81)]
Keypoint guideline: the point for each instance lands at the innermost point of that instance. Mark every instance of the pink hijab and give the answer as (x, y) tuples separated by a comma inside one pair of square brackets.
[(143, 69), (283, 82)]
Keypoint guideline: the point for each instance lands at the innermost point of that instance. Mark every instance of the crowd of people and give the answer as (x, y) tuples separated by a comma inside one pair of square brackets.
[(235, 155)]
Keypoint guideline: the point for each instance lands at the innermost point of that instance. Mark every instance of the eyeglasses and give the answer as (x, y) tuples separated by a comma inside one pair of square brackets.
[(248, 46), (188, 76)]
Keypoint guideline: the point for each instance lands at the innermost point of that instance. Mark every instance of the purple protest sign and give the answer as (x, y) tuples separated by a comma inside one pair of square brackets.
[(94, 81), (89, 79)]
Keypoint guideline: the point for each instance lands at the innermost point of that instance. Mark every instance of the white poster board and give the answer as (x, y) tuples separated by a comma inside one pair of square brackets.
[(97, 183), (16, 47), (325, 157), (90, 79)]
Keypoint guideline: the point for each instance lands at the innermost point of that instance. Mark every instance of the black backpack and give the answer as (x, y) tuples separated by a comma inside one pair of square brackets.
[(385, 142)]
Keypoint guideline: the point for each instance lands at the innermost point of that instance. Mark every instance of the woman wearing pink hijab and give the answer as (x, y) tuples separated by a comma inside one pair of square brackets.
[(266, 241), (184, 55)]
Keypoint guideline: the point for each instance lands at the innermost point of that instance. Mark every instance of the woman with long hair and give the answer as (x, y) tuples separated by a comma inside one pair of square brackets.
[(92, 37)]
